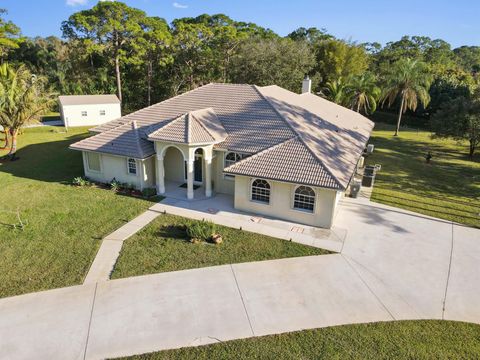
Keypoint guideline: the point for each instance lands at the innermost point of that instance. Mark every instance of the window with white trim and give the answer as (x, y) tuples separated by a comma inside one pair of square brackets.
[(102, 112), (261, 191), (93, 162), (84, 113), (232, 158), (132, 166), (304, 198)]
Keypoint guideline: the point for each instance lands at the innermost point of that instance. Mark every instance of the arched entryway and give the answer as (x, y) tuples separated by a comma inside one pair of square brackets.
[(172, 161)]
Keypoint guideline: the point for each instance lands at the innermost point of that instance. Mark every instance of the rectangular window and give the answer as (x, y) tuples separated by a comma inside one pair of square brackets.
[(132, 166), (93, 162), (230, 159), (84, 113), (102, 112)]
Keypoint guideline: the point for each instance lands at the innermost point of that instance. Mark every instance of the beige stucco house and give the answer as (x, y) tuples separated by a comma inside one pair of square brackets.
[(275, 152)]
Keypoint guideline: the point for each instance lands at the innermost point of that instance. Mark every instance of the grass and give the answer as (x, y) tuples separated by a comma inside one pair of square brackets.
[(65, 223), (448, 188), (426, 339), (164, 246)]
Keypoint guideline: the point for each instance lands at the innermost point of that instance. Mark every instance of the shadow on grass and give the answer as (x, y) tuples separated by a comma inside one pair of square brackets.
[(177, 232), (50, 161)]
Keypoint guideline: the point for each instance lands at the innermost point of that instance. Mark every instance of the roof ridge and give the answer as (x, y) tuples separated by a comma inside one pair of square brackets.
[(200, 123), (189, 127), (299, 136), (137, 137)]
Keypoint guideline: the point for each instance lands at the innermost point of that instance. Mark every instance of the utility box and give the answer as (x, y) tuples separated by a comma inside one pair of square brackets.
[(355, 189), (369, 176)]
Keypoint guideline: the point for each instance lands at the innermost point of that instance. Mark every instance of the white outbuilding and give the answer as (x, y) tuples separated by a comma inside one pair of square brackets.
[(86, 110)]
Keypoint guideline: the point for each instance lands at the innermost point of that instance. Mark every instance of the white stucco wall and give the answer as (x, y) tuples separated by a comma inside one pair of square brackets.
[(72, 114), (116, 167), (281, 203)]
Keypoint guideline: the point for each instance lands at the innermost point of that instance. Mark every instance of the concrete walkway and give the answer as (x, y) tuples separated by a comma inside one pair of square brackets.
[(109, 251), (220, 210), (394, 265)]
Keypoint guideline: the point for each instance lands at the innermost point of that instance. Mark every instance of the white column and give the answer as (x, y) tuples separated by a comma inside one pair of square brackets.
[(208, 177), (190, 179), (160, 176)]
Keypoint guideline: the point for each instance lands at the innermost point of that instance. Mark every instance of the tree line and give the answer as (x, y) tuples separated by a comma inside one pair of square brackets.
[(114, 48)]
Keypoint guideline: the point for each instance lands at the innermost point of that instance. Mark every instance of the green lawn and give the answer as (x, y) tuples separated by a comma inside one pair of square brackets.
[(448, 188), (65, 223), (163, 246), (428, 339)]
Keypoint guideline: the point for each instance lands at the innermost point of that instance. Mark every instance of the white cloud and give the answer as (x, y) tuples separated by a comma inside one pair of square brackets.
[(179, 6), (76, 2)]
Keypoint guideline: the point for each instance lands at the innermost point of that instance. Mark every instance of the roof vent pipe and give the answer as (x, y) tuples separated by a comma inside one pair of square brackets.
[(306, 85)]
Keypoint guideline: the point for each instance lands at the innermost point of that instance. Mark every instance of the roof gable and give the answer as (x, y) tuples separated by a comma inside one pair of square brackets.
[(335, 135), (195, 127), (290, 161), (124, 140)]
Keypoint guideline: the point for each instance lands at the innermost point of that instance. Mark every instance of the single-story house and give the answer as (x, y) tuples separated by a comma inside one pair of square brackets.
[(278, 153), (88, 110)]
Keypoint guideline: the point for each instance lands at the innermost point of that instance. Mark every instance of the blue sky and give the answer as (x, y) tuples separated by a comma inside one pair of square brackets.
[(455, 21)]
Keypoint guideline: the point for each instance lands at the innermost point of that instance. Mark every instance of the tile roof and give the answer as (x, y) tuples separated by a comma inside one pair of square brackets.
[(124, 140), (194, 127), (250, 121), (314, 138), (336, 135), (88, 99), (289, 161)]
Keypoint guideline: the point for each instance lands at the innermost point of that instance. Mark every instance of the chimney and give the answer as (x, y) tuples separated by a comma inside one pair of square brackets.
[(306, 85)]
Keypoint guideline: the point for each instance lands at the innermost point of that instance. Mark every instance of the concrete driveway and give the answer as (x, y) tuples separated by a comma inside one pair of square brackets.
[(394, 265)]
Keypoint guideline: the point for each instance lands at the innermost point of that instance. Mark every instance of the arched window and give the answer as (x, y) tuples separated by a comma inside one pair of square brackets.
[(132, 166), (261, 191), (304, 198)]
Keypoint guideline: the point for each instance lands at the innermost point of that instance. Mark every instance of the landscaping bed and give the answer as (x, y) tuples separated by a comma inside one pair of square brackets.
[(167, 244), (426, 339), (448, 187), (64, 223)]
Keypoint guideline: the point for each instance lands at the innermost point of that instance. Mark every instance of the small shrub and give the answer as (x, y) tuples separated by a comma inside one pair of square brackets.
[(81, 181), (115, 185), (202, 230), (149, 192)]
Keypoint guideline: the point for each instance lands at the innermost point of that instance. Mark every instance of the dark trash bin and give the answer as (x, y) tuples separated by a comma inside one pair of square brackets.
[(369, 176)]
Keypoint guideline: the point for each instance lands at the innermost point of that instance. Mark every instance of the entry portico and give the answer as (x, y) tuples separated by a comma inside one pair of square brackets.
[(193, 134)]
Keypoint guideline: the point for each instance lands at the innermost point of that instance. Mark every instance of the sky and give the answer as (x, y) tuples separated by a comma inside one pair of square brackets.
[(455, 21)]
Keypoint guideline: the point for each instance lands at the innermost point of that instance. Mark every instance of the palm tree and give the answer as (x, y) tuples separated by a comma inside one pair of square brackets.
[(24, 100), (363, 93), (336, 91), (410, 80)]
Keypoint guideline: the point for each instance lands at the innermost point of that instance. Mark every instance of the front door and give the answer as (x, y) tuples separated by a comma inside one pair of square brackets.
[(197, 169)]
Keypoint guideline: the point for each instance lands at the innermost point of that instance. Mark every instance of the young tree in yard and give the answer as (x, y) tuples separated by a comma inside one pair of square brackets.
[(460, 119), (363, 93), (409, 81), (24, 98), (109, 27)]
